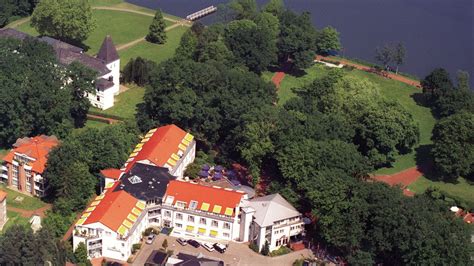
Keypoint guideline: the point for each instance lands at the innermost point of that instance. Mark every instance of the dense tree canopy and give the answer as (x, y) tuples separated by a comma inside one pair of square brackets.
[(35, 100), (67, 20), (137, 71), (11, 9), (328, 40), (453, 151)]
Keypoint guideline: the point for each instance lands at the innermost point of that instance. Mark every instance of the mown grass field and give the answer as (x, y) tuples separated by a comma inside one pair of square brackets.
[(462, 189), (28, 203), (125, 103), (124, 27), (14, 218), (154, 52)]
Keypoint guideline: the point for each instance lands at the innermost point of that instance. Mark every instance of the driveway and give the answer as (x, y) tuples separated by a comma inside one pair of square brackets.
[(236, 254)]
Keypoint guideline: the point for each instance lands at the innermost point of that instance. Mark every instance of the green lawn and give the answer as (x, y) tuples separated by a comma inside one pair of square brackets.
[(15, 218), (28, 203), (124, 27), (94, 124), (105, 2), (154, 52), (125, 103), (391, 89), (463, 189)]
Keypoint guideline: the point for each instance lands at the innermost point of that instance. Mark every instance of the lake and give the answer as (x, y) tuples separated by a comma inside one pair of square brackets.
[(436, 33)]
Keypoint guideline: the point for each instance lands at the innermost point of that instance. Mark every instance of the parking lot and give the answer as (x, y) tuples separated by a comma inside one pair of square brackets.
[(236, 254)]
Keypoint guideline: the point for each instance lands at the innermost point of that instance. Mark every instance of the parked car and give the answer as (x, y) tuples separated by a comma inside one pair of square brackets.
[(182, 241), (209, 247), (193, 243), (220, 247), (150, 239)]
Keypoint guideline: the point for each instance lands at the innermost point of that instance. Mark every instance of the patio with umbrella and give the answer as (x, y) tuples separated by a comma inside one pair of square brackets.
[(203, 173), (205, 167), (219, 168), (217, 176)]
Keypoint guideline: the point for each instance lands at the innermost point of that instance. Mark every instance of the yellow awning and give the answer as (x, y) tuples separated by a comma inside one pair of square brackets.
[(217, 209), (188, 137), (171, 162), (139, 145), (132, 217), (100, 197), (145, 140), (136, 211), (81, 221), (109, 185), (182, 147), (175, 157), (213, 233), (153, 130), (85, 215), (136, 150), (95, 203), (205, 207), (127, 224), (148, 135), (122, 230), (140, 205), (134, 154), (90, 209), (185, 142), (229, 211), (189, 228), (202, 230)]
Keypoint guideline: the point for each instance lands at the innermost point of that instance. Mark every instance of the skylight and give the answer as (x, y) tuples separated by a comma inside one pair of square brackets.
[(135, 179)]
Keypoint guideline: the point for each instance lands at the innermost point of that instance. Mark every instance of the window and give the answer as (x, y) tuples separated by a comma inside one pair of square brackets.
[(167, 214), (178, 225), (193, 204), (226, 225), (202, 221), (179, 216), (214, 223), (98, 98), (191, 218), (180, 204)]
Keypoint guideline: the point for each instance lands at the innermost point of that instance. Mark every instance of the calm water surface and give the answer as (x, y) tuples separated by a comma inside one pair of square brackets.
[(436, 33)]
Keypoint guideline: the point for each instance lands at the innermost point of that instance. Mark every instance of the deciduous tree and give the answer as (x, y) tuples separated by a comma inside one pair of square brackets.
[(328, 40), (67, 20)]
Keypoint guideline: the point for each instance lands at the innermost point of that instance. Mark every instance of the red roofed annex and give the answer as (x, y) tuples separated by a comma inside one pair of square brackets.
[(25, 163)]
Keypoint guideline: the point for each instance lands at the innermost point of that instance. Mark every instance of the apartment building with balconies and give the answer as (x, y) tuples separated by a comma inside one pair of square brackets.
[(24, 165)]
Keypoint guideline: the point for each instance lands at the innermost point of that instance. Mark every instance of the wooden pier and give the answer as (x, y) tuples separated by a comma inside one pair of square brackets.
[(201, 13)]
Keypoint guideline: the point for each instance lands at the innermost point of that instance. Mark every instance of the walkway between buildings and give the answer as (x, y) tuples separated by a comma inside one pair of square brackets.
[(28, 213)]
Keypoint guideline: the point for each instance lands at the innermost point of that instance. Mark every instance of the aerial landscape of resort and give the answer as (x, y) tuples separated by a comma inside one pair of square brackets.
[(236, 132)]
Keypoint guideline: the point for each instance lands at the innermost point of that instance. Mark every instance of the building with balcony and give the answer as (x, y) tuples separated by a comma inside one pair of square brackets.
[(23, 166), (106, 64), (3, 209), (275, 220)]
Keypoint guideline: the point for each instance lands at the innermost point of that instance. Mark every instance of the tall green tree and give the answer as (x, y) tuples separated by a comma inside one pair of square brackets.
[(453, 150), (187, 45), (157, 33), (297, 39), (275, 7), (254, 47), (137, 71), (463, 80), (244, 9), (81, 83), (328, 40), (67, 20), (81, 255)]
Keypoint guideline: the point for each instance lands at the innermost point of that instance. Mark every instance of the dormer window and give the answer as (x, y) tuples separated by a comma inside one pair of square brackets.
[(193, 205)]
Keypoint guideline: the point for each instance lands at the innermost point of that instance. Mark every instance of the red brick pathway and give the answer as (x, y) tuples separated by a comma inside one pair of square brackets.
[(28, 213), (277, 78), (403, 178)]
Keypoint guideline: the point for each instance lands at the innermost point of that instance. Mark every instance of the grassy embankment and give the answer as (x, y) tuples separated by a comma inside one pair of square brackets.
[(404, 94)]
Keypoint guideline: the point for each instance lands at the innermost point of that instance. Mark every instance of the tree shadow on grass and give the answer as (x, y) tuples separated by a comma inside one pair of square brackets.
[(425, 164), (288, 69)]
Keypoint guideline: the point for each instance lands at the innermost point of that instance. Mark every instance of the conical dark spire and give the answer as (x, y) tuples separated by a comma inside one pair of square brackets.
[(107, 51)]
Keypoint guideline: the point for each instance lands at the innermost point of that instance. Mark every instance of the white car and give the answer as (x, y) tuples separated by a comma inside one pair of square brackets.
[(209, 247)]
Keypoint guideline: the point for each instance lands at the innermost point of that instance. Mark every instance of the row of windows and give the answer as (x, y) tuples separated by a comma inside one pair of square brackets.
[(191, 219), (202, 231)]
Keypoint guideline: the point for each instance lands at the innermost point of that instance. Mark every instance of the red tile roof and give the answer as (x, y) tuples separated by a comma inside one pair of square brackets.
[(160, 146), (187, 192), (111, 173), (112, 209), (37, 147)]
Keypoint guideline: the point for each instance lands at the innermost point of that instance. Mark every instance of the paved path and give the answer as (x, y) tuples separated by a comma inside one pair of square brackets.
[(133, 11), (237, 254), (28, 213), (277, 78), (135, 42), (403, 178), (106, 119), (393, 76), (17, 23)]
